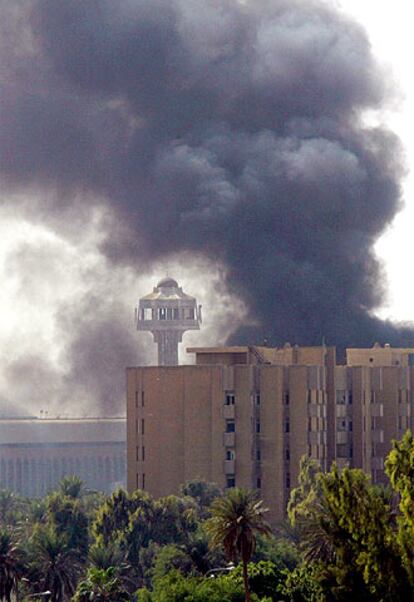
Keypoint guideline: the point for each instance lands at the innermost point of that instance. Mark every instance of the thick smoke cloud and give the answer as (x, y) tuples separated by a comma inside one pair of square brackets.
[(228, 129)]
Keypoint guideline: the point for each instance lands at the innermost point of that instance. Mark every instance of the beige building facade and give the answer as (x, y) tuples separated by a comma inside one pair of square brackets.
[(35, 453), (244, 416)]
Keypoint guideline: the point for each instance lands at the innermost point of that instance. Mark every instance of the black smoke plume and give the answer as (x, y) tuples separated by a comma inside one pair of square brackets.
[(231, 129)]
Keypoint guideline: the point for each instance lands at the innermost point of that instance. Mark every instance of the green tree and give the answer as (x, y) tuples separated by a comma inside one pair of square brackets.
[(101, 585), (10, 506), (71, 486), (346, 530), (176, 587), (12, 565), (301, 585), (55, 566), (203, 492), (171, 557), (236, 519), (400, 469), (67, 517)]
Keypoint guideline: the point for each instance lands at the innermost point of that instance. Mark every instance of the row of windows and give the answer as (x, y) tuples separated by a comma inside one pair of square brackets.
[(167, 313), (316, 396)]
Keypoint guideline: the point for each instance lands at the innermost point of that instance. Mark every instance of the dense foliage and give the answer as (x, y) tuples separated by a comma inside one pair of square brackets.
[(346, 539)]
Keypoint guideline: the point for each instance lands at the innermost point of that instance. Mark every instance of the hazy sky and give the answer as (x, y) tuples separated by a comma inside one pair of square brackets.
[(389, 25), (254, 184)]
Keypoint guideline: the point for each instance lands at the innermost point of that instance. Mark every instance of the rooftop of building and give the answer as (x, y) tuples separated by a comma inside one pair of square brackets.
[(33, 430)]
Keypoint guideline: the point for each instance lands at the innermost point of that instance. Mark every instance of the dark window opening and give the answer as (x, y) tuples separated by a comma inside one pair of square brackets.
[(230, 426), (230, 481), (230, 399)]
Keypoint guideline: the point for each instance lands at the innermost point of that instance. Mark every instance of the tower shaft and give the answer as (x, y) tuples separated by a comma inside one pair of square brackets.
[(167, 342)]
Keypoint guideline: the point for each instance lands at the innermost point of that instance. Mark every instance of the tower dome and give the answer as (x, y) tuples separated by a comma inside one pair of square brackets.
[(167, 283)]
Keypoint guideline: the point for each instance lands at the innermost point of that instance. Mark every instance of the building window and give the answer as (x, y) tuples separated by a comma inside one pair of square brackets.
[(287, 426), (143, 480), (142, 399), (287, 453), (162, 313), (257, 399), (176, 315), (259, 483), (309, 396), (230, 399), (143, 453), (286, 398), (230, 481), (230, 426), (146, 313), (230, 454), (258, 455), (137, 481), (258, 426), (287, 480), (142, 426), (137, 453)]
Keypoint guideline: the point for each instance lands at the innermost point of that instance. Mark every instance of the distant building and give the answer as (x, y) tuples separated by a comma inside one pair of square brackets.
[(245, 416), (35, 453)]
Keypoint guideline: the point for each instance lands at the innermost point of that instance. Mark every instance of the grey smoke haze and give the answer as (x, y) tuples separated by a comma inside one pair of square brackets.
[(227, 129)]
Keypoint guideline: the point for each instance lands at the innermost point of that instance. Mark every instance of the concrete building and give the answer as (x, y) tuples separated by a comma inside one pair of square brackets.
[(35, 453), (246, 415), (167, 313), (234, 418)]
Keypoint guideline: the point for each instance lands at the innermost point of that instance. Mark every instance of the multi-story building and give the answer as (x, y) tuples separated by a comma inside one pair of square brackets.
[(35, 453), (373, 407), (246, 415), (240, 416)]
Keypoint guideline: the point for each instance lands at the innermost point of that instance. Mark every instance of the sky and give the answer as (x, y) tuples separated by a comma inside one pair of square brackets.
[(389, 26), (85, 233)]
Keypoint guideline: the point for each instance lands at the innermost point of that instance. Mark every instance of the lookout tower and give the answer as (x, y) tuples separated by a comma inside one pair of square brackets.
[(168, 312)]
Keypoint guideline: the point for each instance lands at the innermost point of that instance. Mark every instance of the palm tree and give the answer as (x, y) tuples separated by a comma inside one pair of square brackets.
[(101, 585), (56, 565), (71, 486), (11, 565), (236, 519)]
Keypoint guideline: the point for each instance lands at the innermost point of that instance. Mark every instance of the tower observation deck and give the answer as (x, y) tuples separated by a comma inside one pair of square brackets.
[(167, 313)]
